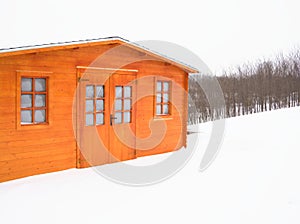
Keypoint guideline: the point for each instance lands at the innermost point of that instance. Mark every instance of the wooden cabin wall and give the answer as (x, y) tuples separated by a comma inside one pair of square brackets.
[(29, 151), (176, 124)]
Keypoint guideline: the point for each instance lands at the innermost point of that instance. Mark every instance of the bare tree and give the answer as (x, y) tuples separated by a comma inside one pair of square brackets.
[(251, 88)]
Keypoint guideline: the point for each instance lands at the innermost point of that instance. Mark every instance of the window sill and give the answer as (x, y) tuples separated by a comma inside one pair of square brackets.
[(162, 117), (32, 126)]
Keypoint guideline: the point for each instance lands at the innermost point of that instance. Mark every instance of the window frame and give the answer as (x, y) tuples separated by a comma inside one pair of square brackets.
[(95, 111), (123, 98), (33, 75), (162, 102)]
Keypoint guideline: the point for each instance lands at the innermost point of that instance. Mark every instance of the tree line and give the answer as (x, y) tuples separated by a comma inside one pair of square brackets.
[(251, 88)]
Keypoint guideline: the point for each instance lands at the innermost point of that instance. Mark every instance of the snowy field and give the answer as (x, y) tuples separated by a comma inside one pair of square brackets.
[(254, 179)]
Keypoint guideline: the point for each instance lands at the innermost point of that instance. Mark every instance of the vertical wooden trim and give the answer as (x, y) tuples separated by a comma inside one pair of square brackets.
[(18, 101), (77, 165), (108, 95), (134, 109), (170, 104), (33, 100), (185, 113), (154, 96), (48, 117)]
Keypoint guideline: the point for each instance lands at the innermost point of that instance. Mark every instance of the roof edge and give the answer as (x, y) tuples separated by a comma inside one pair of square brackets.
[(90, 42)]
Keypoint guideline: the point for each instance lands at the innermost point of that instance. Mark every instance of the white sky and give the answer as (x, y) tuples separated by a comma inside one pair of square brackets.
[(221, 33)]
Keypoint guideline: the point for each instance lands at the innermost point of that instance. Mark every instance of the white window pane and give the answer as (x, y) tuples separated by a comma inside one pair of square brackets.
[(119, 93), (89, 91), (40, 100), (40, 85), (26, 101), (165, 109), (100, 91), (127, 117), (127, 91), (158, 109), (166, 86), (99, 105), (26, 85), (127, 104), (166, 97), (99, 118), (40, 116), (89, 119), (118, 104), (158, 98), (89, 105), (118, 119), (26, 117), (158, 86)]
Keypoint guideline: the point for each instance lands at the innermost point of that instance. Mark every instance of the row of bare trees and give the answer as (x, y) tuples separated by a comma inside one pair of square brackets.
[(251, 88)]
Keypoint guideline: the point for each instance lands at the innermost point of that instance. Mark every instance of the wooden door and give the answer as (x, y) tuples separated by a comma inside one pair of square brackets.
[(93, 118), (106, 118), (123, 117)]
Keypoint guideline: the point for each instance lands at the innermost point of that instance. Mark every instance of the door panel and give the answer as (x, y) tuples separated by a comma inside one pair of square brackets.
[(123, 109), (93, 119), (105, 118)]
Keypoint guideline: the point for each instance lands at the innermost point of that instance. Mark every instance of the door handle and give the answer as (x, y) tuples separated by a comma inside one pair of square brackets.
[(112, 118)]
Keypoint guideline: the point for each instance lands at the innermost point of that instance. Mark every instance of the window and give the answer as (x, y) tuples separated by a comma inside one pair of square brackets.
[(94, 105), (34, 95), (123, 104), (162, 98)]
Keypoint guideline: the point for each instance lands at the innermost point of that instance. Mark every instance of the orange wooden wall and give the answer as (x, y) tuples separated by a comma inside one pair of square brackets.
[(29, 151)]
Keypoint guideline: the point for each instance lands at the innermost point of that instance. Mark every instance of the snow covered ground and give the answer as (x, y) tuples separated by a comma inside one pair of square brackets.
[(254, 179)]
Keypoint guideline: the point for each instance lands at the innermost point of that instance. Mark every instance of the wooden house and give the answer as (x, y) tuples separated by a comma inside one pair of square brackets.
[(87, 103)]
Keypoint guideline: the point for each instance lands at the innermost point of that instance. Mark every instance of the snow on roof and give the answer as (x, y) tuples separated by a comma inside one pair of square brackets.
[(65, 43), (96, 40)]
